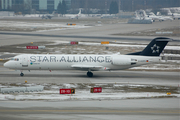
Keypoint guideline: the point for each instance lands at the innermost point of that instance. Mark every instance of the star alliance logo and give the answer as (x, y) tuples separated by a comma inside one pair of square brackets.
[(155, 48)]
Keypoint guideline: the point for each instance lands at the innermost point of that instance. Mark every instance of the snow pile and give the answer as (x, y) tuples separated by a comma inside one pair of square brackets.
[(122, 44), (158, 67), (37, 26), (81, 95), (82, 92)]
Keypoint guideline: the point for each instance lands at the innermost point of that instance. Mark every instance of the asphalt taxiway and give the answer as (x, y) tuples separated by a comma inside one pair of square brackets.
[(94, 33), (161, 109), (124, 77), (134, 109)]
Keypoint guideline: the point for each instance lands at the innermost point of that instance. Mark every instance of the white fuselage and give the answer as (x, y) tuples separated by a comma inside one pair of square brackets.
[(78, 62)]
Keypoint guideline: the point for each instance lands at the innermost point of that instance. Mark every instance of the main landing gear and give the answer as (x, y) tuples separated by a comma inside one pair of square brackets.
[(89, 74)]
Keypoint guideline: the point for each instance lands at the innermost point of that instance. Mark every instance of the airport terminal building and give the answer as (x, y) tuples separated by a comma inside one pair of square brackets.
[(86, 5), (34, 4)]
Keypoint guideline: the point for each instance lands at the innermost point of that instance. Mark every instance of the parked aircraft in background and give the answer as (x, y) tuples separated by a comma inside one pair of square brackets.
[(76, 16), (139, 20), (174, 15), (154, 17), (137, 16), (159, 17), (142, 16), (48, 16), (108, 16), (88, 62)]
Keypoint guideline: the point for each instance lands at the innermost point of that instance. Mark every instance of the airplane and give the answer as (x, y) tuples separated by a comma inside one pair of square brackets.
[(137, 16), (48, 16), (108, 16), (151, 16), (143, 15), (139, 20), (159, 17), (174, 15), (76, 16), (89, 62)]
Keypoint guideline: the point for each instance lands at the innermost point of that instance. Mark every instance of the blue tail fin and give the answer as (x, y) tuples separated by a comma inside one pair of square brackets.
[(154, 48)]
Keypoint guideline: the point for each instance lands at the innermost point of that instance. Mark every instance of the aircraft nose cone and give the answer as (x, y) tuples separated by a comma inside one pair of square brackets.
[(6, 64)]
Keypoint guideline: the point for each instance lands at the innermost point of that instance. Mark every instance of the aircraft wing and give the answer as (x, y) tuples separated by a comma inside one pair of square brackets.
[(88, 67)]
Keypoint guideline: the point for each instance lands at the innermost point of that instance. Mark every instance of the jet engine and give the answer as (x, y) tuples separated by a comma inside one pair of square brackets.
[(123, 61)]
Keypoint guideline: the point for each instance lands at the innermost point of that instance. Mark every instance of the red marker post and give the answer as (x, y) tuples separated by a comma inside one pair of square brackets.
[(35, 47), (73, 42), (31, 47), (67, 91)]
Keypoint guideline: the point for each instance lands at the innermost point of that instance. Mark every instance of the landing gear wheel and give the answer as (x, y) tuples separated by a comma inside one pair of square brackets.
[(22, 74), (89, 74)]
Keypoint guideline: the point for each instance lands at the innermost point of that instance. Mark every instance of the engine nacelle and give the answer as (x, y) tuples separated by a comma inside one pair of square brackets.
[(122, 61)]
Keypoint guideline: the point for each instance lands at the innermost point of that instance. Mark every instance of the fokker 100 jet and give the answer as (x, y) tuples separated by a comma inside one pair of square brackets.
[(89, 62)]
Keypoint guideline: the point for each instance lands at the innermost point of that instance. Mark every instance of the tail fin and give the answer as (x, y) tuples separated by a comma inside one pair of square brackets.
[(154, 48), (144, 13), (136, 14), (79, 11)]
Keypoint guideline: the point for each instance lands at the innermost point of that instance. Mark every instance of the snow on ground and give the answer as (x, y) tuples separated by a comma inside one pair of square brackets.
[(37, 26), (82, 95), (33, 15), (157, 67), (172, 61), (174, 55), (65, 27), (82, 92), (122, 44), (172, 48)]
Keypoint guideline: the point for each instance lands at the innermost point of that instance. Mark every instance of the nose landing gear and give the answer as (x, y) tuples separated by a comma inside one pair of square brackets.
[(89, 74), (22, 74)]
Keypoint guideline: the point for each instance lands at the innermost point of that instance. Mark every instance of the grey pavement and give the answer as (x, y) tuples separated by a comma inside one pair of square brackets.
[(134, 109)]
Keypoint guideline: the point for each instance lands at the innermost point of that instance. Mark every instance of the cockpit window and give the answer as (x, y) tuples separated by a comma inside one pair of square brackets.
[(15, 59)]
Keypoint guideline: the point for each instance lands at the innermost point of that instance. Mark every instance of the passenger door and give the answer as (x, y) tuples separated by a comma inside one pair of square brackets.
[(25, 61)]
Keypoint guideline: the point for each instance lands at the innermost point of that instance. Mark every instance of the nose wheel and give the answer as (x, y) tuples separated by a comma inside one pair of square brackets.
[(22, 74), (89, 74)]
